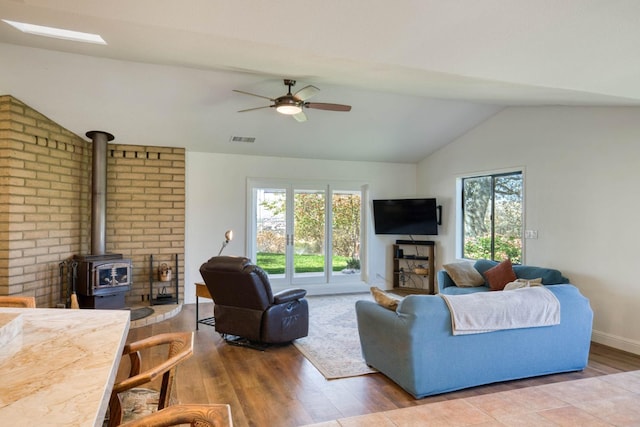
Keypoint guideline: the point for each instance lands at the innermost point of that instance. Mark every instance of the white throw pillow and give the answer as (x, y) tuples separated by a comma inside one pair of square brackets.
[(464, 275)]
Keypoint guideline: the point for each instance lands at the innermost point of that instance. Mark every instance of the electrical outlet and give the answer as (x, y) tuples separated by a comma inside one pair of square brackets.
[(531, 234)]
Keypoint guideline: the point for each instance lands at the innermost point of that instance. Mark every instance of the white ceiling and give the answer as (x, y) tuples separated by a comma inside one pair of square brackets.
[(417, 73)]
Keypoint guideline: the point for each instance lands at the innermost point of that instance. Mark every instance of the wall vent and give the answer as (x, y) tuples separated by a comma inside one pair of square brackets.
[(247, 139)]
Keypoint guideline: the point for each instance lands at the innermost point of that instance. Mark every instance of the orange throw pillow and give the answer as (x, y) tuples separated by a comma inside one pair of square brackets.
[(500, 275)]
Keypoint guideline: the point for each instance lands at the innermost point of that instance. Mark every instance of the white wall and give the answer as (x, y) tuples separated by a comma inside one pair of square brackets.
[(216, 201), (582, 194)]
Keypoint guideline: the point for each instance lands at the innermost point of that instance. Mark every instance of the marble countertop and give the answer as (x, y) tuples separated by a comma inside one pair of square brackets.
[(59, 368)]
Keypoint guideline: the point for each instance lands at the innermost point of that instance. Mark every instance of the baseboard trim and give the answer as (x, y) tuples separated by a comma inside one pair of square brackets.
[(614, 341)]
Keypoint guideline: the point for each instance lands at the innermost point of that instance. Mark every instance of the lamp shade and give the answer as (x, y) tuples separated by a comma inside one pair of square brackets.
[(228, 236)]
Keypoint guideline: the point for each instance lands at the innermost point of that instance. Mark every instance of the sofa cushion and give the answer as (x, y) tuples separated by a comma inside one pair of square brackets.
[(384, 299), (500, 275), (549, 275), (463, 274)]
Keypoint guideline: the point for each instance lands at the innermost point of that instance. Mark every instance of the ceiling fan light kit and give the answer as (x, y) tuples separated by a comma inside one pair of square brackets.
[(288, 109), (293, 104)]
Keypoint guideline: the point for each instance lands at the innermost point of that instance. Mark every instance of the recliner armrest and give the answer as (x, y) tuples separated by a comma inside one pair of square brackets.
[(288, 295)]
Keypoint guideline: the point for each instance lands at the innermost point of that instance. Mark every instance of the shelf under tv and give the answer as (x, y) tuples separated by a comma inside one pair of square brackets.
[(416, 242)]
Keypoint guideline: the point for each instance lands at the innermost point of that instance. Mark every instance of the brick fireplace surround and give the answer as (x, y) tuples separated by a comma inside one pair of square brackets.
[(45, 208)]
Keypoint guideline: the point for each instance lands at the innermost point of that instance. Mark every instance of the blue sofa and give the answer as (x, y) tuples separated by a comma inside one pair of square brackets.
[(549, 276), (414, 345)]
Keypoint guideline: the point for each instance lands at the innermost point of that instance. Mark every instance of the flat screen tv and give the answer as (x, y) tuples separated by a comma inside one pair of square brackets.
[(406, 216)]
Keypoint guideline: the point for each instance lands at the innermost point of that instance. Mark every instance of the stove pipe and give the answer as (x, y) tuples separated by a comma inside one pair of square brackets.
[(99, 190)]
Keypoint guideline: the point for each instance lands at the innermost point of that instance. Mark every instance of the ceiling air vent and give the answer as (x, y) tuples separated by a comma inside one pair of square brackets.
[(247, 139)]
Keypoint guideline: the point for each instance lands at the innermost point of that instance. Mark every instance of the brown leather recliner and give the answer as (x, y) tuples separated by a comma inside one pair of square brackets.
[(245, 306)]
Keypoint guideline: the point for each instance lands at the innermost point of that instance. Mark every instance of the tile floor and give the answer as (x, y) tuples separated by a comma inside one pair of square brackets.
[(610, 400)]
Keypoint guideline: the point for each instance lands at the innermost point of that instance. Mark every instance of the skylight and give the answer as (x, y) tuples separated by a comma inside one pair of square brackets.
[(57, 33)]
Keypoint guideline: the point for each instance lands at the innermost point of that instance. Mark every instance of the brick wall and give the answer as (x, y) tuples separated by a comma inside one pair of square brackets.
[(45, 185), (145, 212)]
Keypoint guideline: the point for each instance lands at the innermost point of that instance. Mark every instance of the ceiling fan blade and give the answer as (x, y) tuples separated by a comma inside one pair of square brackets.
[(325, 106), (253, 94), (301, 116), (255, 108), (306, 92)]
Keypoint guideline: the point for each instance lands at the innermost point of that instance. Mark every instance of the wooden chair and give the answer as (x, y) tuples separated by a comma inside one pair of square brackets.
[(195, 415), (180, 346), (24, 302)]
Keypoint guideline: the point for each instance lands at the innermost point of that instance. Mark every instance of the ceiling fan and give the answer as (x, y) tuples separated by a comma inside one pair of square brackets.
[(293, 104)]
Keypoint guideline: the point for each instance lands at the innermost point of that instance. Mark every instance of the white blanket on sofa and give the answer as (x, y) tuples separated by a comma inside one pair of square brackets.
[(491, 311)]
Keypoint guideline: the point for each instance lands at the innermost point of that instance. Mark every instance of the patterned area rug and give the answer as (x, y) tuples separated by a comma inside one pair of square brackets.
[(333, 344)]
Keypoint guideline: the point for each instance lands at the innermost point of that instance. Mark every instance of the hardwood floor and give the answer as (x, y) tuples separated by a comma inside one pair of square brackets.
[(279, 387)]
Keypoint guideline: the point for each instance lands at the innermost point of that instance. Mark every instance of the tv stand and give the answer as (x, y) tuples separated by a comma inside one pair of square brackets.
[(414, 266)]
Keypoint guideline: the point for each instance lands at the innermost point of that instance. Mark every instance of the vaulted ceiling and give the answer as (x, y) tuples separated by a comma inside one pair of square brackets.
[(418, 74)]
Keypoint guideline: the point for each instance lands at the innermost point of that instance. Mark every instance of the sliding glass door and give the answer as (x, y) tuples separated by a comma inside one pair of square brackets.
[(271, 235), (305, 233), (309, 230)]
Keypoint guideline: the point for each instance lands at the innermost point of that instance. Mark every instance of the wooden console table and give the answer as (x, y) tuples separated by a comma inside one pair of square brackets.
[(203, 292)]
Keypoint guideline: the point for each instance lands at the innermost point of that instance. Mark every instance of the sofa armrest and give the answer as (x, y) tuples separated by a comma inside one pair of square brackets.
[(378, 331), (404, 344), (444, 280), (288, 295)]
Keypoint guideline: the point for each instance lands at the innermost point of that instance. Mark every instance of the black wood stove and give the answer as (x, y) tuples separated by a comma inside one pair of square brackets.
[(102, 280)]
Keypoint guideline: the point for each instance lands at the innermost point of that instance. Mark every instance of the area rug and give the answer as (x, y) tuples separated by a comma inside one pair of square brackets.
[(333, 344)]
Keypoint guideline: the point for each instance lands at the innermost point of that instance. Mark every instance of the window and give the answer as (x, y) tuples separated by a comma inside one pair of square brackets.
[(305, 232), (492, 217)]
